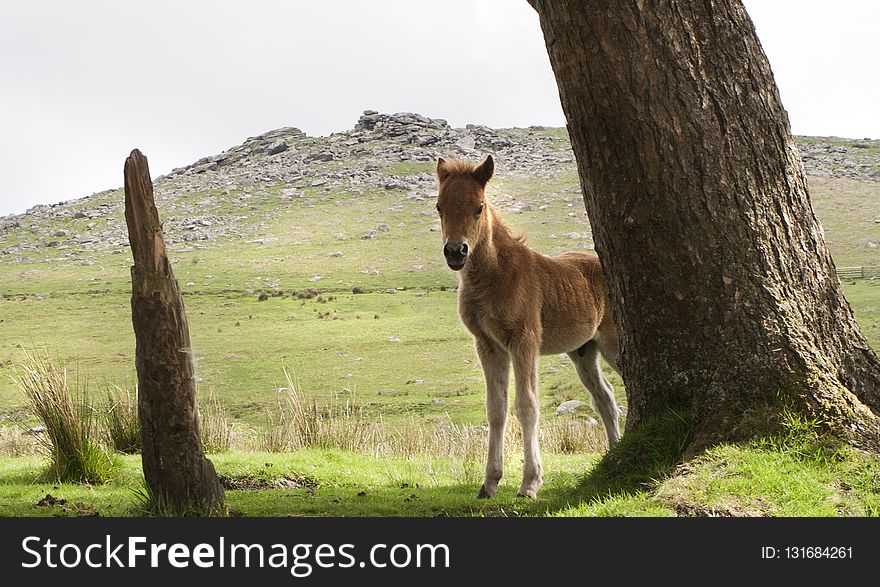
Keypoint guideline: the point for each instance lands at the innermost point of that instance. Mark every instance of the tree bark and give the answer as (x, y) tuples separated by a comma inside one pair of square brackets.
[(724, 292), (176, 471)]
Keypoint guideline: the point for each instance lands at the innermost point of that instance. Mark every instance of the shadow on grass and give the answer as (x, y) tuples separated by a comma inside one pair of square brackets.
[(640, 458), (346, 501)]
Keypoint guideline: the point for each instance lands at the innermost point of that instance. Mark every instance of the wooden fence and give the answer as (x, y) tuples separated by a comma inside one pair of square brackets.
[(858, 272)]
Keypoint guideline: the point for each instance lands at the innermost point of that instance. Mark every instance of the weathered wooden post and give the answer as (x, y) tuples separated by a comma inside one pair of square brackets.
[(178, 475)]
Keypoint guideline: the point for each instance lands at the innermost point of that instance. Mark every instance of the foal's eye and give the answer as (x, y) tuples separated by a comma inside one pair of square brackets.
[(479, 209)]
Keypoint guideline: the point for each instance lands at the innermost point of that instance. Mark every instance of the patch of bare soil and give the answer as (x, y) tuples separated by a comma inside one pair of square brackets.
[(254, 483), (77, 509), (49, 501)]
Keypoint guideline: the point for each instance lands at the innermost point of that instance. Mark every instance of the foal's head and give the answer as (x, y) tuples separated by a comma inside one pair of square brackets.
[(461, 202)]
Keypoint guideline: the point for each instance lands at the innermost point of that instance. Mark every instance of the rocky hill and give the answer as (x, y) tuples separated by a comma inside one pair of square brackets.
[(226, 195)]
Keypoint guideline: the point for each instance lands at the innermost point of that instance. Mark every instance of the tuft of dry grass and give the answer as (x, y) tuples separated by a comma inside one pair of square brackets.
[(121, 425), (16, 441), (214, 426), (572, 435), (299, 422), (70, 421)]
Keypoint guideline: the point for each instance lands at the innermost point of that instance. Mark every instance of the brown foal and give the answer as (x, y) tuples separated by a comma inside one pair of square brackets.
[(520, 304)]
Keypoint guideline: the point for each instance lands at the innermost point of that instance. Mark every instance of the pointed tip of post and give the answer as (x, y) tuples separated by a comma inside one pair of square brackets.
[(136, 160)]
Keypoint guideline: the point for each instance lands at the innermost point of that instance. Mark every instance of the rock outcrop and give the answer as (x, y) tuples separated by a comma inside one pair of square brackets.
[(221, 195)]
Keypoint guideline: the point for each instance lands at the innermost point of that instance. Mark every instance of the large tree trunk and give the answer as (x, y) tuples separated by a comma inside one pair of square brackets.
[(724, 292), (179, 477)]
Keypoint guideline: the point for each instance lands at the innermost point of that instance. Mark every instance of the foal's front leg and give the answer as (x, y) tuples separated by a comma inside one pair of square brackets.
[(525, 368), (496, 367)]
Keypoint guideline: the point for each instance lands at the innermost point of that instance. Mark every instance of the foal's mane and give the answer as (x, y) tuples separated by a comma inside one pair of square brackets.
[(458, 167), (500, 226)]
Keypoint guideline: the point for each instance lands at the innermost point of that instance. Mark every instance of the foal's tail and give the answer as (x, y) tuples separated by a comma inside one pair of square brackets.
[(606, 337)]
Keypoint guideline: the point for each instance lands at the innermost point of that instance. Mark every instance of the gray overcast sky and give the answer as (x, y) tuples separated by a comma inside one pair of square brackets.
[(82, 83)]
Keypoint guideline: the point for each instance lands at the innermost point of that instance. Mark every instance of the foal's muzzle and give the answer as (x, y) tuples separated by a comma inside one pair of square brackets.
[(456, 255)]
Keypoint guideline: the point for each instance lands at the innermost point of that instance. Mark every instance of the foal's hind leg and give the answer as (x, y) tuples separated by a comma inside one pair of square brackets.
[(496, 368), (586, 363)]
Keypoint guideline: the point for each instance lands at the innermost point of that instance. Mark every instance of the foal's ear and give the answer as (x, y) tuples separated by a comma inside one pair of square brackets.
[(484, 172), (442, 172)]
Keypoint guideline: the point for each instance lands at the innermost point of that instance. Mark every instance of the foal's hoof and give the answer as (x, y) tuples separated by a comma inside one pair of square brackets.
[(485, 493), (529, 488)]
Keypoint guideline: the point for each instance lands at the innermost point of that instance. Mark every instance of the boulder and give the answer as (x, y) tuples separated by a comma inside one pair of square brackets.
[(278, 146), (570, 407)]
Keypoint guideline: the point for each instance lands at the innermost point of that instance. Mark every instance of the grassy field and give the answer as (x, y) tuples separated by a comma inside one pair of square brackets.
[(799, 474), (397, 351), (399, 347)]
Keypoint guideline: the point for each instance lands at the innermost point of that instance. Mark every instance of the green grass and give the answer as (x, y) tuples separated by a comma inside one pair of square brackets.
[(864, 298), (242, 344), (65, 411), (406, 168), (308, 482), (848, 210), (864, 146), (403, 355), (802, 474), (799, 473), (81, 312), (120, 421)]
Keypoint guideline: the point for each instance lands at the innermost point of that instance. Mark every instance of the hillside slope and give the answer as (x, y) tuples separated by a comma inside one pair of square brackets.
[(229, 194), (284, 212)]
